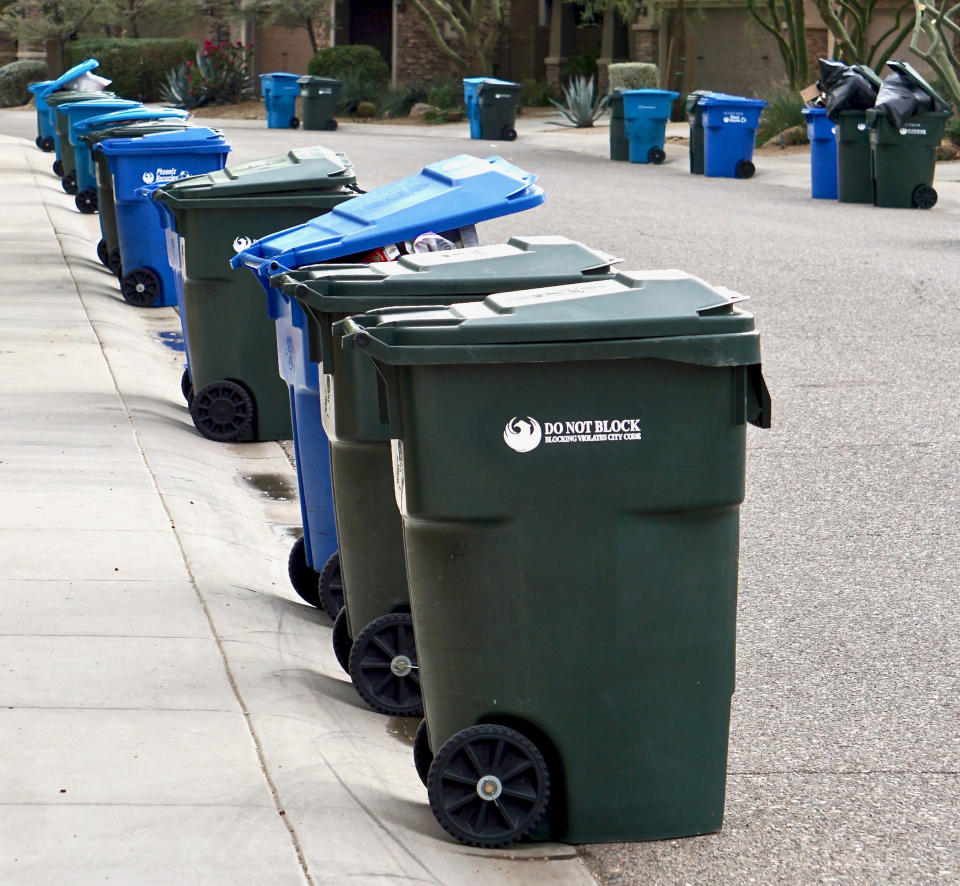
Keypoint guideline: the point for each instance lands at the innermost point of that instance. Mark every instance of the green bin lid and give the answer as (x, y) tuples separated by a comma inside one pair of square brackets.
[(134, 129), (664, 314), (62, 98), (302, 170)]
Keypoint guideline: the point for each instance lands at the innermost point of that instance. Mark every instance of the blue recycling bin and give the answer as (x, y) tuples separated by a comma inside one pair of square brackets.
[(444, 197), (45, 127), (136, 163), (822, 133), (280, 91), (729, 132), (645, 116)]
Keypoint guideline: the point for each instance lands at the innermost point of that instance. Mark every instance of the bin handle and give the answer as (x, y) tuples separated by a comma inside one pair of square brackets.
[(758, 397)]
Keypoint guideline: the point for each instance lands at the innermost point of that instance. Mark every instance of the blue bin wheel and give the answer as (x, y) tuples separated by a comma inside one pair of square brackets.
[(86, 201), (924, 197), (36, 141), (422, 755), (330, 125), (46, 144), (58, 168), (294, 122), (186, 386), (222, 411), (383, 666), (744, 169), (508, 134), (330, 585), (656, 155), (305, 580), (488, 786), (103, 253), (140, 288), (342, 644), (69, 182), (115, 263)]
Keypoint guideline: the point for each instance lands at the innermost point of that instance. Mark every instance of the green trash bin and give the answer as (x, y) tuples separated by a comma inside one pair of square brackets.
[(65, 160), (498, 102), (231, 340), (318, 99), (369, 529), (903, 159), (619, 143), (854, 173), (569, 463), (108, 249), (695, 119)]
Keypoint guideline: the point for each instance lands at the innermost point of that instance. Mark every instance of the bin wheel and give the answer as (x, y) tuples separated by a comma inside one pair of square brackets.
[(36, 141), (744, 169), (69, 182), (222, 411), (86, 201), (924, 197), (488, 786), (140, 288), (330, 125), (58, 168), (294, 122), (46, 144), (508, 134), (656, 155), (303, 577), (186, 386), (383, 666), (103, 253), (115, 264), (342, 644), (422, 755), (330, 586)]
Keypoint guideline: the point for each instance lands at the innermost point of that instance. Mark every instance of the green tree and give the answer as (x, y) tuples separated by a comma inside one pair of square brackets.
[(849, 22), (934, 39), (139, 18), (476, 24), (785, 21)]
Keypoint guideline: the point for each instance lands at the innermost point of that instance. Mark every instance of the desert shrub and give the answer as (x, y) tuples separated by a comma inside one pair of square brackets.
[(633, 75), (784, 110), (366, 109), (220, 75), (359, 62)]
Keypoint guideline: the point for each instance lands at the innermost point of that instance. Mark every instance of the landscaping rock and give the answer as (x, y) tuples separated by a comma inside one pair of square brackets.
[(421, 109)]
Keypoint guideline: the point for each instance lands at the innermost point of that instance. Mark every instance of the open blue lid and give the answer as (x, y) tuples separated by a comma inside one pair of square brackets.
[(116, 118), (76, 71), (39, 86), (199, 140), (449, 194)]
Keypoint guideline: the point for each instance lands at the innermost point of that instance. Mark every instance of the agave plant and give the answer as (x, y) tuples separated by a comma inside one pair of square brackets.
[(581, 104)]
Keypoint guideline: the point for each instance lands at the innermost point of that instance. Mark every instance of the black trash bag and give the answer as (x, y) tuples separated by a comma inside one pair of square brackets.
[(847, 88), (905, 94)]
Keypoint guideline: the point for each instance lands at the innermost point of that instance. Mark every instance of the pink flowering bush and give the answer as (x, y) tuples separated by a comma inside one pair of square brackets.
[(220, 75)]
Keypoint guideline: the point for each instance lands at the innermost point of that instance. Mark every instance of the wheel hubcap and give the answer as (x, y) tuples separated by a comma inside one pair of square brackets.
[(222, 411), (401, 666), (489, 788)]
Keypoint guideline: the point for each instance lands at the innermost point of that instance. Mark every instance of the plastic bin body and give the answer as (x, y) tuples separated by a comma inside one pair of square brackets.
[(497, 102), (280, 91), (152, 160), (619, 146), (854, 174), (822, 133), (507, 438), (226, 329), (457, 192), (645, 113), (318, 99), (695, 119), (903, 160), (77, 113), (63, 150), (46, 115), (369, 528), (729, 132), (45, 126)]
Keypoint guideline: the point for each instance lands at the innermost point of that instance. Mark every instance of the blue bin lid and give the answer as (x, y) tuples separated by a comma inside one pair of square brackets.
[(39, 86), (814, 112), (719, 99), (76, 71), (101, 105), (116, 118), (452, 193), (200, 140), (493, 80), (280, 75)]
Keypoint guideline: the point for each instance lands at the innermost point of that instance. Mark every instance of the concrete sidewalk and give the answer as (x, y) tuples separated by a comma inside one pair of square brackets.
[(171, 712)]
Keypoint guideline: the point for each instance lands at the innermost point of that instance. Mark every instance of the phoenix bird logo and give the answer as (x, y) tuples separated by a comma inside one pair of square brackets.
[(522, 434)]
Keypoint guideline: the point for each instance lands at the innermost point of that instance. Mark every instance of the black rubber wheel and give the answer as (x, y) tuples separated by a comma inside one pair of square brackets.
[(103, 253), (330, 586), (656, 155), (36, 141), (115, 264), (383, 666), (186, 386), (222, 411), (508, 134), (140, 288), (342, 644), (69, 182), (294, 122), (422, 755), (46, 144), (744, 169), (304, 579), (58, 168), (924, 197), (330, 125), (86, 201), (488, 786)]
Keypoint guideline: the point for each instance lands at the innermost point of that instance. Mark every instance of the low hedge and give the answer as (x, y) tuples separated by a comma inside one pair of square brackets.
[(14, 79), (136, 67), (359, 62), (633, 75)]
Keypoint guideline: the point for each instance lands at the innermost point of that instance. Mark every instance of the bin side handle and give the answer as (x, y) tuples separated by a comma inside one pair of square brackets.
[(758, 397)]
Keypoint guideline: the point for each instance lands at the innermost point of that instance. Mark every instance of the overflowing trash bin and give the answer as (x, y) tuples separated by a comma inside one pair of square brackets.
[(75, 77), (575, 636), (695, 119), (491, 107), (61, 143), (729, 132), (446, 198), (145, 162), (374, 629), (645, 113), (280, 91), (231, 383), (318, 102), (822, 133)]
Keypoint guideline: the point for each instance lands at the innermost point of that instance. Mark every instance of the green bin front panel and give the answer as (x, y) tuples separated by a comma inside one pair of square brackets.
[(903, 159), (619, 143), (854, 166), (498, 110)]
